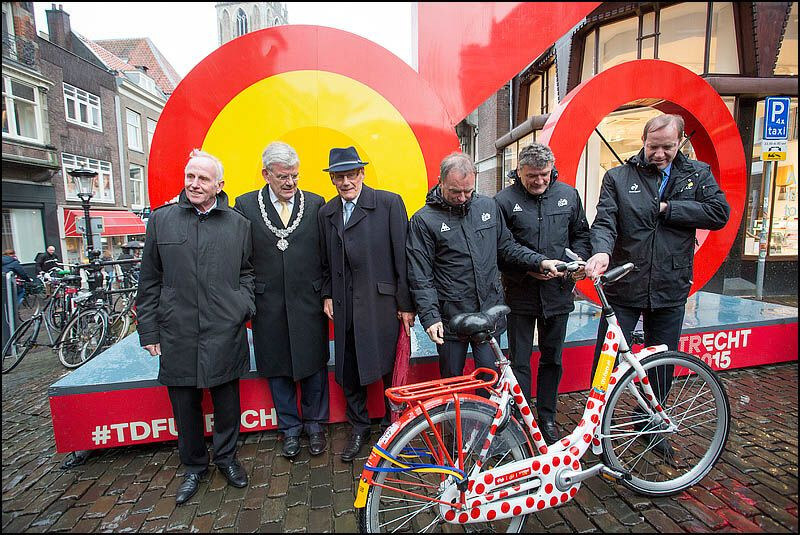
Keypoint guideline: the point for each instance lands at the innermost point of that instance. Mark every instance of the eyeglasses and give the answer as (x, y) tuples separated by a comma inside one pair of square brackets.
[(286, 178), (349, 175)]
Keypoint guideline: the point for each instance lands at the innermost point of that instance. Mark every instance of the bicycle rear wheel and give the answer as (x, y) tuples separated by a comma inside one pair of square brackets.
[(23, 339), (696, 402), (82, 338), (389, 510)]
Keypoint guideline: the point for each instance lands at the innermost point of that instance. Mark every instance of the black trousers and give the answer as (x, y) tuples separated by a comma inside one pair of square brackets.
[(552, 332), (189, 422), (313, 403), (453, 356), (661, 326), (356, 394)]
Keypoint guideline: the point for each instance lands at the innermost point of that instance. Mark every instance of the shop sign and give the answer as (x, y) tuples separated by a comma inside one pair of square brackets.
[(773, 150)]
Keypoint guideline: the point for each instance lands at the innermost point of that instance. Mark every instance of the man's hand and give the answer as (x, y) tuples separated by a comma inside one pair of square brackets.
[(408, 320), (436, 333), (154, 349), (662, 207), (580, 274), (597, 265), (549, 268), (327, 307), (540, 276)]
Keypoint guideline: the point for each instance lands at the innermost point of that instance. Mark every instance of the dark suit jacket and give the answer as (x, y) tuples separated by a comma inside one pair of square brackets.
[(364, 272), (290, 330)]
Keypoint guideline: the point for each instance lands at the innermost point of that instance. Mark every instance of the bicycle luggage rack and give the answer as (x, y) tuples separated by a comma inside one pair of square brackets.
[(438, 387)]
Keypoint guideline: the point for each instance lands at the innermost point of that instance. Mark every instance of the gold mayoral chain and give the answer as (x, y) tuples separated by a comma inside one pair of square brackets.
[(282, 244)]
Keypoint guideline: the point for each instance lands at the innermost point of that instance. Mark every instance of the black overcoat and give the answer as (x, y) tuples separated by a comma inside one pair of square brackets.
[(374, 240), (290, 330), (196, 293)]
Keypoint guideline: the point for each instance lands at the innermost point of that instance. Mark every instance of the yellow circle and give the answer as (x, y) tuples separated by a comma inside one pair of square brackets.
[(314, 111)]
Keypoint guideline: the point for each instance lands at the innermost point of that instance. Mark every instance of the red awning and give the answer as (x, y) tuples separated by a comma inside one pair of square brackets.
[(115, 222)]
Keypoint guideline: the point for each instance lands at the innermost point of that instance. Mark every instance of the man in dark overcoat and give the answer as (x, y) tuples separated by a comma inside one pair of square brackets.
[(290, 330), (365, 286), (195, 295)]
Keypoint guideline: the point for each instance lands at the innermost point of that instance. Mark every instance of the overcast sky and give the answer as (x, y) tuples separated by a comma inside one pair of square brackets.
[(186, 32)]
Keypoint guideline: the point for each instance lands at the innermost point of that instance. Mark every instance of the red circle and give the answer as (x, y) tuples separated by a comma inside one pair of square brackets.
[(526, 411), (205, 91), (587, 438), (479, 488), (556, 461), (491, 514), (564, 497), (546, 469), (449, 515), (505, 507), (475, 513), (573, 491), (536, 465), (537, 436), (548, 488), (543, 449), (590, 404), (463, 517), (488, 478), (554, 501), (529, 501), (595, 418), (567, 460), (517, 510), (716, 141), (517, 389), (576, 465), (646, 380)]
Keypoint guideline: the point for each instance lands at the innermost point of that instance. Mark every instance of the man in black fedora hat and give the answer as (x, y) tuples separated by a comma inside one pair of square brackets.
[(364, 285)]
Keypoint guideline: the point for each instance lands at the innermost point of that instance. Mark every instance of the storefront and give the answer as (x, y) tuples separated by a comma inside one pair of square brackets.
[(119, 227), (708, 38)]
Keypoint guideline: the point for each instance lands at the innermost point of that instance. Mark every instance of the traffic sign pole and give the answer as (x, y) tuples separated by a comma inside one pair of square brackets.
[(769, 171)]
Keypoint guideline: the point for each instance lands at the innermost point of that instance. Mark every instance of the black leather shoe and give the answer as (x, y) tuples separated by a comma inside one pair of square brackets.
[(291, 446), (188, 488), (549, 430), (235, 474), (317, 443), (354, 446), (656, 442)]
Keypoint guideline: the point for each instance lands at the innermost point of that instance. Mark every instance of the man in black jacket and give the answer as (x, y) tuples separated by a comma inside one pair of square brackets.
[(195, 295), (47, 261), (290, 331), (453, 245), (545, 215), (648, 212)]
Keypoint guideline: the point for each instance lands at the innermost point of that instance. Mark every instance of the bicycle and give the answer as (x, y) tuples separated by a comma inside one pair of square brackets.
[(454, 459)]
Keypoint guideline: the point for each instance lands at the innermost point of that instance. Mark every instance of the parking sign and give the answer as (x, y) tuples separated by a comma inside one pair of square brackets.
[(776, 118)]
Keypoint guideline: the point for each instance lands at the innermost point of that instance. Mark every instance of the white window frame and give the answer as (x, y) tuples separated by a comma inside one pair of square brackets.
[(10, 102), (151, 132), (137, 186), (105, 175), (133, 127), (74, 97)]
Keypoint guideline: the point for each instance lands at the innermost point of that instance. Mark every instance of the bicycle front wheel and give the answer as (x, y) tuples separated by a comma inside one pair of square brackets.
[(23, 339), (695, 401), (391, 510), (82, 338)]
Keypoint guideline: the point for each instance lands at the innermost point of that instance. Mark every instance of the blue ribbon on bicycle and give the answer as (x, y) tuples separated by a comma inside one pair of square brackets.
[(414, 467)]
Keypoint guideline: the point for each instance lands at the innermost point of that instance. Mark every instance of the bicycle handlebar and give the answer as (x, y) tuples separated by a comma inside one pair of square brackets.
[(615, 274)]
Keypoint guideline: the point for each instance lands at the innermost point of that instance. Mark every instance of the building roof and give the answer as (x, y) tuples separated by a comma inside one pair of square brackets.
[(142, 51), (110, 60)]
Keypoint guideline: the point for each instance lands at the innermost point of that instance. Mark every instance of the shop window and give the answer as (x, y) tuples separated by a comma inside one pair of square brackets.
[(787, 57), (21, 110), (781, 197), (103, 185), (723, 55), (617, 43), (23, 231), (82, 108), (682, 29)]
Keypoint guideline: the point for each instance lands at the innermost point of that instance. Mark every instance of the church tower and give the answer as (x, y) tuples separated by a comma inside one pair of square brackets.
[(238, 18)]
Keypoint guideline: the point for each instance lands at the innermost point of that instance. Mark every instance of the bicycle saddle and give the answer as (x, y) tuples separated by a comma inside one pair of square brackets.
[(478, 326)]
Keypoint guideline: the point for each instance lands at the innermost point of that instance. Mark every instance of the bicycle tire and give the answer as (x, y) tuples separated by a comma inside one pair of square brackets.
[(119, 327), (83, 337), (475, 416), (696, 402), (13, 350)]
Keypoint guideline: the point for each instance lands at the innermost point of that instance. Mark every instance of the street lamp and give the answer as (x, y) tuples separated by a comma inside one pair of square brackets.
[(84, 186)]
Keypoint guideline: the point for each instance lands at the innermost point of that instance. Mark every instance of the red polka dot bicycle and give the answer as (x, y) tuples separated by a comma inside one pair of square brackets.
[(658, 422)]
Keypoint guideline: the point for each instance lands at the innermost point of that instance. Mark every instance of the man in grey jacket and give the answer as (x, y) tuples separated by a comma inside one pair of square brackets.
[(195, 294), (452, 248)]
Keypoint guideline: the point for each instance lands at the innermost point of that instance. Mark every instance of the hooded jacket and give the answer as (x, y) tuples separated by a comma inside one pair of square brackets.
[(547, 223), (452, 257), (629, 228)]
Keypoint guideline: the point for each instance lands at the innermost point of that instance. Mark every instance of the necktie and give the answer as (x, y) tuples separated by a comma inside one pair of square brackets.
[(285, 214), (664, 180), (348, 210)]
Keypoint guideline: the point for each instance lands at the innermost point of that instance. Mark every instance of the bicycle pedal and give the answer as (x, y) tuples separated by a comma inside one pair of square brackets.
[(614, 475)]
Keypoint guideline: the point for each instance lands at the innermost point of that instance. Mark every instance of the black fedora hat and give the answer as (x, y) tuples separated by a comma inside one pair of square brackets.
[(344, 160)]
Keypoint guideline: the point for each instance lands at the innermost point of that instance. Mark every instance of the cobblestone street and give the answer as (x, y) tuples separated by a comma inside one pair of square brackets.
[(752, 488)]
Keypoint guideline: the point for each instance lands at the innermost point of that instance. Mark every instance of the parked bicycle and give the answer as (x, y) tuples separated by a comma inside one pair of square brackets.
[(455, 460)]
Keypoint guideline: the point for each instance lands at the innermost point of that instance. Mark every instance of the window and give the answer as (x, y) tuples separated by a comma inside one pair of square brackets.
[(134, 122), (21, 110), (542, 92), (23, 231), (136, 174), (104, 183), (241, 23), (787, 57), (82, 108), (151, 130), (781, 198), (677, 33)]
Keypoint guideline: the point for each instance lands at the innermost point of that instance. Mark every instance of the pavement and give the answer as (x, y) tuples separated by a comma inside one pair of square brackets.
[(752, 488)]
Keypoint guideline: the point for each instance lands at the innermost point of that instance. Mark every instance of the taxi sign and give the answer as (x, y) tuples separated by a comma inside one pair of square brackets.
[(776, 118), (773, 150)]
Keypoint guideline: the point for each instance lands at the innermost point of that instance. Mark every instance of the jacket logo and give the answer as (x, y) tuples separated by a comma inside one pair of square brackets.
[(635, 188), (690, 185), (445, 228), (486, 216), (562, 202), (517, 208)]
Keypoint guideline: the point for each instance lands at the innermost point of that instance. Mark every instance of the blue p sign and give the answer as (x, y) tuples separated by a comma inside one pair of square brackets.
[(776, 118)]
